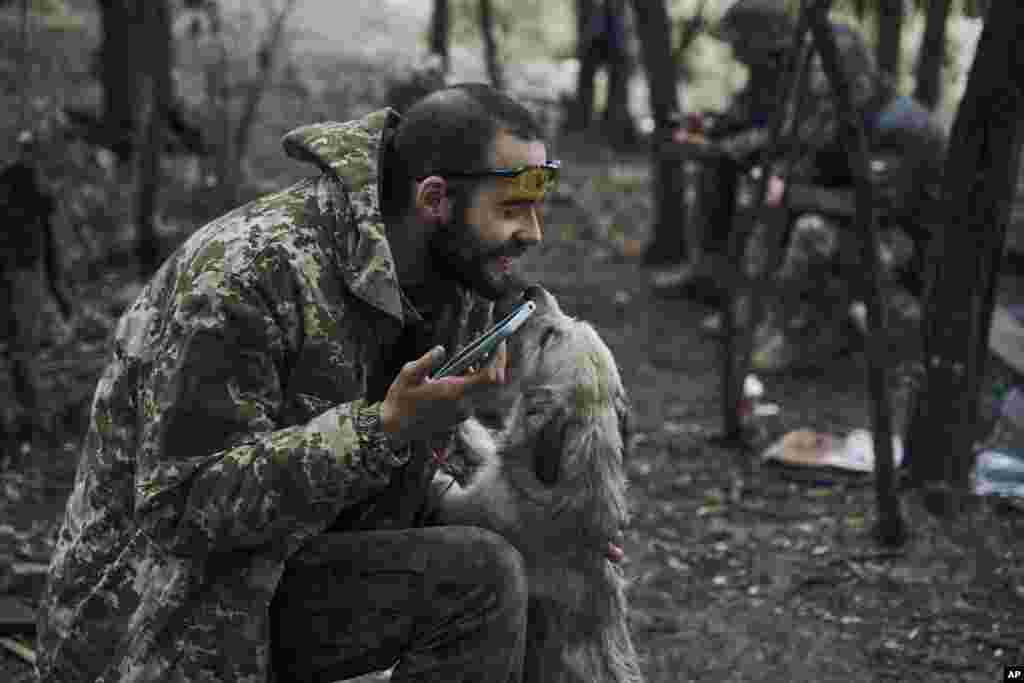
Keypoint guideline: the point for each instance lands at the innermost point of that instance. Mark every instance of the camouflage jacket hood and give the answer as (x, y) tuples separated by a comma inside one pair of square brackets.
[(232, 424)]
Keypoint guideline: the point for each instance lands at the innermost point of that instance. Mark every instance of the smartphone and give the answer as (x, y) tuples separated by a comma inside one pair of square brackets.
[(480, 351)]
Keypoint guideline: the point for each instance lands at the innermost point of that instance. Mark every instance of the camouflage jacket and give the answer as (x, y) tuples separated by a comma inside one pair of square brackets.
[(231, 425)]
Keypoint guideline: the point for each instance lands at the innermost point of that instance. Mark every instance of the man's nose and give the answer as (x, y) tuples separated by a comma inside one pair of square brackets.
[(532, 231)]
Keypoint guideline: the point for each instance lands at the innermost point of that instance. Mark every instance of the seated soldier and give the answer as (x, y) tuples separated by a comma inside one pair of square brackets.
[(808, 321), (250, 497), (759, 32)]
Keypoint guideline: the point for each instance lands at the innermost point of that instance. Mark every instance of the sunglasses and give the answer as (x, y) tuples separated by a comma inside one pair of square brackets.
[(529, 179)]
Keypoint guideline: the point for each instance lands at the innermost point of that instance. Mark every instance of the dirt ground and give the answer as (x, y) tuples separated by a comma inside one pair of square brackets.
[(739, 571)]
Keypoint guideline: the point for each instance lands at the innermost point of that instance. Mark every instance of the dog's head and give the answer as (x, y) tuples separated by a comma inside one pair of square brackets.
[(562, 431)]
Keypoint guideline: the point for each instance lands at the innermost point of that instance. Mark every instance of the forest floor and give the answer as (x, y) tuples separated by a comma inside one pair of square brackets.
[(739, 570)]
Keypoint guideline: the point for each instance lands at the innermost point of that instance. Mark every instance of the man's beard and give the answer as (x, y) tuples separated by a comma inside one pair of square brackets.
[(461, 255)]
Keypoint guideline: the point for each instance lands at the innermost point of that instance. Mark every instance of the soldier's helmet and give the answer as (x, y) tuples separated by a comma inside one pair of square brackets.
[(857, 62), (857, 58), (764, 26)]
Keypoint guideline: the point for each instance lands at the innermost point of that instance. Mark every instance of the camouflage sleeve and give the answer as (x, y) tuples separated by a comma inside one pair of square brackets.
[(216, 470), (816, 135)]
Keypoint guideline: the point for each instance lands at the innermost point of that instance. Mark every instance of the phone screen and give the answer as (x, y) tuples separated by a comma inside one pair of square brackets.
[(479, 352)]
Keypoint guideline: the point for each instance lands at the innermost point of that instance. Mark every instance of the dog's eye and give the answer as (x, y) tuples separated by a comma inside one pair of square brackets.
[(491, 419), (535, 417)]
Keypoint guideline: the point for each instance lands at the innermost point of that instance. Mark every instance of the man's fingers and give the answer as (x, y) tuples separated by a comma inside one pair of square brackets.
[(493, 373), (501, 362), (417, 371), (499, 366)]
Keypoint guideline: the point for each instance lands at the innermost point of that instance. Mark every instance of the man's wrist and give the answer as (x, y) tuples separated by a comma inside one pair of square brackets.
[(368, 422)]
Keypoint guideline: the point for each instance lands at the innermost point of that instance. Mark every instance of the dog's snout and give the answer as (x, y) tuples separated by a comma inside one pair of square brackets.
[(544, 300)]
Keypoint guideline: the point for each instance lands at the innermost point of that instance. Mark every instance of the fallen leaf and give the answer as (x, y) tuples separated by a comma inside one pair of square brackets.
[(713, 497), (705, 510), (855, 521), (632, 248), (677, 564)]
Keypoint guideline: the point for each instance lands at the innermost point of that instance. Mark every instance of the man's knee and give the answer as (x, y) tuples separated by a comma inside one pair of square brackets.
[(492, 561)]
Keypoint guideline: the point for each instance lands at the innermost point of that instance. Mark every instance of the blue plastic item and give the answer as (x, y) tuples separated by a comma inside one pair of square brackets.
[(999, 473)]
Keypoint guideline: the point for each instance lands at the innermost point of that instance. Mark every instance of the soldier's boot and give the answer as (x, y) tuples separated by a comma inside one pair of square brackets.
[(802, 344), (697, 281)]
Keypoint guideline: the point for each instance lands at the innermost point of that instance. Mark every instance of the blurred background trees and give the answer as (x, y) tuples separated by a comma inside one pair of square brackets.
[(208, 86), (152, 117)]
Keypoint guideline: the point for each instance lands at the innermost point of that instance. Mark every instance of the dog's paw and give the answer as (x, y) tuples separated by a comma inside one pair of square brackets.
[(476, 443)]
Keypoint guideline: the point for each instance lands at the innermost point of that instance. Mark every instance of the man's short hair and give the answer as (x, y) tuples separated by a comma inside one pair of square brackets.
[(450, 130)]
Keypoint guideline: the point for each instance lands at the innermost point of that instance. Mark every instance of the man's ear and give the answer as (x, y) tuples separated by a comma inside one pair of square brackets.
[(432, 203)]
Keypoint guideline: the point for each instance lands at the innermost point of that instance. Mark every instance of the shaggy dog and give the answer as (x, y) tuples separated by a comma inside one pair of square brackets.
[(549, 478)]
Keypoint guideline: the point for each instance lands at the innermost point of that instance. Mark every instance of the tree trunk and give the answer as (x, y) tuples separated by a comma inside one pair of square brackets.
[(220, 121), (890, 523), (158, 61), (254, 94), (589, 59), (979, 184), (490, 45), (688, 32), (890, 30), (932, 54), (618, 125), (654, 30), (440, 28), (119, 72)]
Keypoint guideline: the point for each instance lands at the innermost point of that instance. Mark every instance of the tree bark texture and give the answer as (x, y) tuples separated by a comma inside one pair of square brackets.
[(618, 125), (120, 77), (890, 523), (654, 31), (583, 112), (965, 256), (493, 62), (157, 63), (268, 50), (930, 59), (440, 29), (738, 340), (890, 30)]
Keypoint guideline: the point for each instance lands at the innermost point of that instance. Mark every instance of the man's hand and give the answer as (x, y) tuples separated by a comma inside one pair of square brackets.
[(417, 407)]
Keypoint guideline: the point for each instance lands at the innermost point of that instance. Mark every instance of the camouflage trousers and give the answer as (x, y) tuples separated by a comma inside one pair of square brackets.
[(445, 603), (821, 272)]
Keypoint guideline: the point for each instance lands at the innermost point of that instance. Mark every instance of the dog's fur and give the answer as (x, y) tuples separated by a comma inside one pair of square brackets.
[(550, 479)]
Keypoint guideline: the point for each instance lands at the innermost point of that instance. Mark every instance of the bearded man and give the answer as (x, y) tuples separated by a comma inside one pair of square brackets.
[(250, 499)]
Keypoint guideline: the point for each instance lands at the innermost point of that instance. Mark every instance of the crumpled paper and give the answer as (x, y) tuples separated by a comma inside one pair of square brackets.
[(808, 448)]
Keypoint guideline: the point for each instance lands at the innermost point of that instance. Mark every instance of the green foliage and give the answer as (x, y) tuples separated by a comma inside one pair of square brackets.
[(56, 14), (526, 29)]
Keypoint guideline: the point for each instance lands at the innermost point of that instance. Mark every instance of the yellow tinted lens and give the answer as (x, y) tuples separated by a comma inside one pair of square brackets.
[(537, 181)]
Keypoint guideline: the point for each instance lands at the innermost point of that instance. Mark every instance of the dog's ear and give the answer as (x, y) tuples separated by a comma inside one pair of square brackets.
[(592, 466), (550, 444)]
